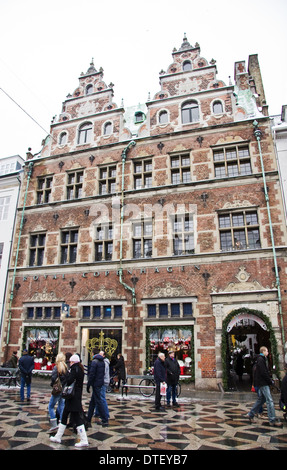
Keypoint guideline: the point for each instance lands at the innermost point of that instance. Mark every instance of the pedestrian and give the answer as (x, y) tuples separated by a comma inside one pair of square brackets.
[(160, 378), (59, 371), (262, 380), (105, 386), (26, 366), (13, 360), (283, 396), (120, 369), (96, 381), (73, 405), (172, 378)]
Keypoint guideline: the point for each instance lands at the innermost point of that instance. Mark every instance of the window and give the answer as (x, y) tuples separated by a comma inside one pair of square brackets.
[(69, 242), (142, 239), (143, 174), (180, 169), (101, 312), (186, 66), (169, 309), (63, 138), (163, 117), (139, 117), (189, 112), (4, 207), (239, 230), (107, 180), (183, 234), (108, 128), (104, 243), (85, 133), (43, 312), (44, 189), (232, 161), (37, 247), (217, 107), (75, 185), (89, 89)]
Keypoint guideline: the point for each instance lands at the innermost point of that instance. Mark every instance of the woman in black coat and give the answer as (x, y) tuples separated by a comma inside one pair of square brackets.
[(121, 370), (73, 405)]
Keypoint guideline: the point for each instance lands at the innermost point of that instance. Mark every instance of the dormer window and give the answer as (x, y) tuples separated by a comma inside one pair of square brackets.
[(139, 116), (89, 89), (163, 117), (108, 128), (190, 112), (217, 107), (85, 133), (186, 66), (63, 138)]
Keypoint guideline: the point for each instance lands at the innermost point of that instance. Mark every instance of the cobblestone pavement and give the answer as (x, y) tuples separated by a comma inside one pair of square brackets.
[(202, 422)]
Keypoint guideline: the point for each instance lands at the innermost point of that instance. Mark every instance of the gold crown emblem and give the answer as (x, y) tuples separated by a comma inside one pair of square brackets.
[(108, 345)]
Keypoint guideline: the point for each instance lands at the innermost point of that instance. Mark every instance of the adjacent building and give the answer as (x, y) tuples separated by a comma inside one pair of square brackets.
[(155, 227), (10, 182)]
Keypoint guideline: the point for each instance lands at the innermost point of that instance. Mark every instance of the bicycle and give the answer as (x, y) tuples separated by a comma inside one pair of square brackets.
[(147, 387)]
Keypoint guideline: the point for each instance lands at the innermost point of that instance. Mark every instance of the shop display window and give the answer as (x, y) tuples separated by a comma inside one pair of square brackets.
[(42, 343), (165, 339)]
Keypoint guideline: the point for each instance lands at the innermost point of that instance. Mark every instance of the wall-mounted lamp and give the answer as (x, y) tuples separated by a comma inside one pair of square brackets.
[(204, 197), (206, 276), (55, 217), (87, 212), (61, 164), (199, 140), (72, 284), (160, 146)]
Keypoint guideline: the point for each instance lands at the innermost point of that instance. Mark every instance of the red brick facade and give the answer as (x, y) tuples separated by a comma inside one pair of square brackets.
[(186, 270)]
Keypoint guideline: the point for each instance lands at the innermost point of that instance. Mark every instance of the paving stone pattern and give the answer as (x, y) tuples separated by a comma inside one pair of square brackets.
[(134, 425)]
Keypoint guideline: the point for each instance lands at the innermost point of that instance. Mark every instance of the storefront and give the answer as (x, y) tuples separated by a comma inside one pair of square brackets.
[(42, 343), (166, 338)]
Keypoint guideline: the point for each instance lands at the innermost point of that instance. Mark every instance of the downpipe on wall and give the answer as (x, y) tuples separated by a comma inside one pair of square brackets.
[(258, 134), (127, 287)]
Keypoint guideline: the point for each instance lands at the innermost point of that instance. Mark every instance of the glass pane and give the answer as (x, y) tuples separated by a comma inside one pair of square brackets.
[(163, 310), (224, 221), (226, 241), (239, 239), (251, 218), (175, 310), (187, 309), (237, 220), (151, 310)]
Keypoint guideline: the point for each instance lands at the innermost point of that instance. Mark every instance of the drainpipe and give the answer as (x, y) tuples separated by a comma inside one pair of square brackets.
[(258, 133), (30, 169), (124, 156)]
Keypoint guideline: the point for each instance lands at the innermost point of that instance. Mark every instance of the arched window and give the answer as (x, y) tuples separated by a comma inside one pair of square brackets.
[(163, 117), (63, 138), (217, 107), (89, 89), (108, 127), (186, 66), (190, 112), (85, 133)]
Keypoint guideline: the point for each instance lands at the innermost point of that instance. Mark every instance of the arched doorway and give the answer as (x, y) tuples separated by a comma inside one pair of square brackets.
[(244, 331)]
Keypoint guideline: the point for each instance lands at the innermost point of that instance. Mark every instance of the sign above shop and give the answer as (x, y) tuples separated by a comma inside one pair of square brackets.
[(244, 319)]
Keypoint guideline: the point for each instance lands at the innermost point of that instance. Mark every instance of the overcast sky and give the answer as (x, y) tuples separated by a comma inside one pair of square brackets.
[(45, 45)]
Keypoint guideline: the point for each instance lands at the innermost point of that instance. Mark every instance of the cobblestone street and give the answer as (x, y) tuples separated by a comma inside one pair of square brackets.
[(204, 421)]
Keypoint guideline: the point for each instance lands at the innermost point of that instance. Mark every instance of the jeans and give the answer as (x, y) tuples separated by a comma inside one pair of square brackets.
[(22, 386), (104, 401), (96, 401), (264, 395), (52, 403), (171, 392)]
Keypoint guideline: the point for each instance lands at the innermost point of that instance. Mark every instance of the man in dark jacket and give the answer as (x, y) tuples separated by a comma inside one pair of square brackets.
[(26, 365), (262, 380), (96, 381), (159, 377), (172, 378)]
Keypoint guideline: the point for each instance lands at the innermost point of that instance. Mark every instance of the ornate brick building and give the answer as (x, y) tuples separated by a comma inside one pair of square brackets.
[(154, 227)]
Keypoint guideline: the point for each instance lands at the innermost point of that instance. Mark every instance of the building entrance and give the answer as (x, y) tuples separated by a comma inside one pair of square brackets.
[(245, 334)]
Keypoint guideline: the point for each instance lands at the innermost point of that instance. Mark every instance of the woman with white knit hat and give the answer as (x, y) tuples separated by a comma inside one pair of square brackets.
[(73, 405)]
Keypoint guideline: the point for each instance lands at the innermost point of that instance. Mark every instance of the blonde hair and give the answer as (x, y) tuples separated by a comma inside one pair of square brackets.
[(61, 363)]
